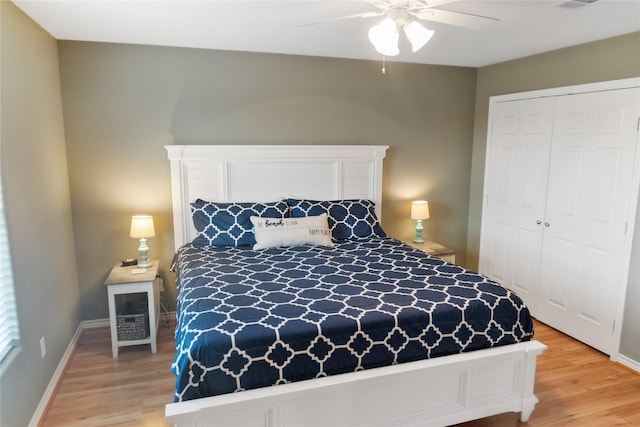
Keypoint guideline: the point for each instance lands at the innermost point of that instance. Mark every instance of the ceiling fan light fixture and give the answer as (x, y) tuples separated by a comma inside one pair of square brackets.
[(384, 37), (417, 34)]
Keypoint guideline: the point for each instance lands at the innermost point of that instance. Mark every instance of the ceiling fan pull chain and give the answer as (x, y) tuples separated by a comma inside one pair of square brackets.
[(384, 61)]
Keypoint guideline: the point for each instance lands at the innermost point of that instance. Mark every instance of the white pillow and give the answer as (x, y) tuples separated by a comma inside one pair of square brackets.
[(274, 232)]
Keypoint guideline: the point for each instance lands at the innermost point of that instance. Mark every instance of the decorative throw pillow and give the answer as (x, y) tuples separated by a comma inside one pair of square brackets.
[(275, 232), (348, 219), (229, 224)]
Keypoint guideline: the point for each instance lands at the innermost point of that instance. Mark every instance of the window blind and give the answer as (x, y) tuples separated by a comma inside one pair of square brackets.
[(8, 315)]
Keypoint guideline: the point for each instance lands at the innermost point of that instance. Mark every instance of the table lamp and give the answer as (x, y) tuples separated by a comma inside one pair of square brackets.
[(419, 211), (142, 227)]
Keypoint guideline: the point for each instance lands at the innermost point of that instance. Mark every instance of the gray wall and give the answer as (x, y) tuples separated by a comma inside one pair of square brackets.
[(610, 59), (38, 210), (122, 103)]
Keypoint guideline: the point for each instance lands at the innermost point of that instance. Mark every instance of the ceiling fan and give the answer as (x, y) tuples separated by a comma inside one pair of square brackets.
[(404, 15)]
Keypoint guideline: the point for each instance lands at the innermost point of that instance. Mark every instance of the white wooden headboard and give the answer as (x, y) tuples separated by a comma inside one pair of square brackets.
[(264, 173)]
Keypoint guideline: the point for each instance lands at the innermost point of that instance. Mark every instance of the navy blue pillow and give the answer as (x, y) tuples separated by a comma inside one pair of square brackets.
[(348, 219), (229, 224)]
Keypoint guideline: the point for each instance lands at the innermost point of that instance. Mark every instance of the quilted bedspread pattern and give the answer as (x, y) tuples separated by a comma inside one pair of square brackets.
[(249, 319)]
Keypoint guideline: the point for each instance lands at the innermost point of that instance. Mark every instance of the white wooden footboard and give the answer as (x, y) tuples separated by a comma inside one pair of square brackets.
[(433, 392)]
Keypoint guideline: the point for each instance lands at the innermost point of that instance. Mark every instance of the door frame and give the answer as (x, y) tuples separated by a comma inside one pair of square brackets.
[(628, 83)]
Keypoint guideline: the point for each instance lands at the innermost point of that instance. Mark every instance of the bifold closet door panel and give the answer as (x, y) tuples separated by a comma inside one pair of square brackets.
[(588, 207), (515, 194)]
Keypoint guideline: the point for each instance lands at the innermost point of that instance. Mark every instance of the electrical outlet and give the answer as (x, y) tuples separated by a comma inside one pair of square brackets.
[(43, 348)]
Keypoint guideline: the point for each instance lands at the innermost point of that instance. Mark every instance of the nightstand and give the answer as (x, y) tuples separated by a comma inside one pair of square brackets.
[(436, 249), (129, 285)]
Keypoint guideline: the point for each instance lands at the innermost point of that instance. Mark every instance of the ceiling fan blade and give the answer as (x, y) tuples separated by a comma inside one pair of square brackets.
[(460, 19), (436, 3), (343, 18)]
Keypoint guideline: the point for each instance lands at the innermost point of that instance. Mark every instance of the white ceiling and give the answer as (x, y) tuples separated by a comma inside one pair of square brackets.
[(524, 27)]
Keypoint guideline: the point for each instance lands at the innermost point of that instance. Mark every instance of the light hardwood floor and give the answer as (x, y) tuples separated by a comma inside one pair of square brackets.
[(576, 385)]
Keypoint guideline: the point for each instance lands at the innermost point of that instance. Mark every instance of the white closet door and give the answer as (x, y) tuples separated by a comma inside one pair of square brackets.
[(588, 205), (515, 194)]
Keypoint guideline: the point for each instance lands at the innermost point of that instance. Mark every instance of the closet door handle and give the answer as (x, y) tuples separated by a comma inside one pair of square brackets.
[(546, 224), (538, 222)]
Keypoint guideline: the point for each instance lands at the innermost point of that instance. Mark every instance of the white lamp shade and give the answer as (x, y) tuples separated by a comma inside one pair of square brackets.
[(420, 209), (417, 35), (384, 37), (142, 226)]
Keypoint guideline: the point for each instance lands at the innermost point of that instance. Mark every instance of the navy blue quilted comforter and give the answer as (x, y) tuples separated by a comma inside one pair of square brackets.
[(249, 319)]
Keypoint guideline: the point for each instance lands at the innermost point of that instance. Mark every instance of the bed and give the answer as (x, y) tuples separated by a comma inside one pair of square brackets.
[(351, 327)]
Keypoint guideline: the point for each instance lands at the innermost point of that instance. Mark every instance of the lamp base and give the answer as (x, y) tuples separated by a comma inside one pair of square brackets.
[(143, 250), (418, 238), (146, 264)]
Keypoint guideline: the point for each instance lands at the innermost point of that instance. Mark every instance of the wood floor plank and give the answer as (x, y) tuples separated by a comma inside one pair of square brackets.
[(97, 390), (576, 385)]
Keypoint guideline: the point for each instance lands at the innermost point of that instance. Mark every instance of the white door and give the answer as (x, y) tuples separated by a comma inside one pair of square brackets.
[(589, 201), (515, 194)]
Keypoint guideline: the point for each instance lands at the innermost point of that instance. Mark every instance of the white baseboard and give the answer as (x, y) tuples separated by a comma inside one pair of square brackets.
[(628, 362), (96, 323), (57, 375), (66, 357)]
